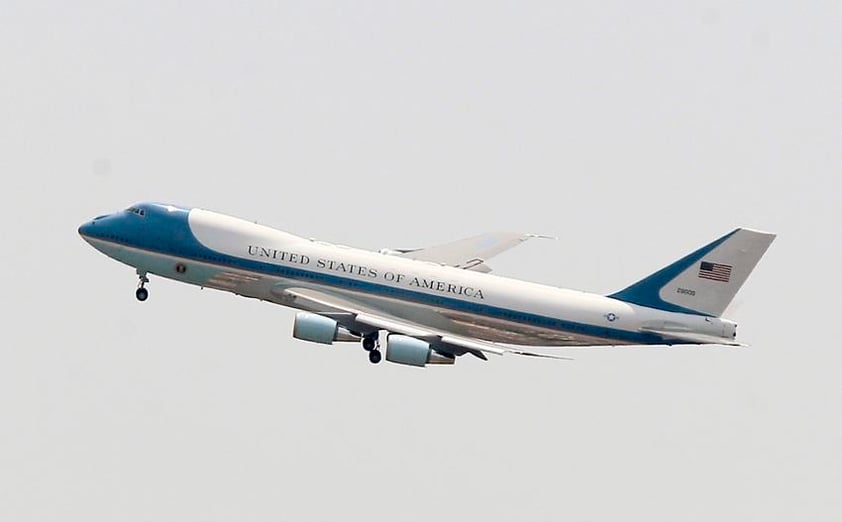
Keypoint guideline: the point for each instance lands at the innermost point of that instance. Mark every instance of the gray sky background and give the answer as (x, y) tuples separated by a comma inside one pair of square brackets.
[(635, 132)]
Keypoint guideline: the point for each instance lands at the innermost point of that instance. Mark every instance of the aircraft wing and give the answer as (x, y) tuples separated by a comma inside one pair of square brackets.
[(361, 318), (469, 253)]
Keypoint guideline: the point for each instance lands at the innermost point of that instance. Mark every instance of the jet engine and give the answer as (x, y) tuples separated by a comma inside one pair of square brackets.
[(320, 329), (402, 349)]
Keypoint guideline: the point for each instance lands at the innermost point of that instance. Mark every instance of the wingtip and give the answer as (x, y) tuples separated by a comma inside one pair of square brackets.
[(541, 236)]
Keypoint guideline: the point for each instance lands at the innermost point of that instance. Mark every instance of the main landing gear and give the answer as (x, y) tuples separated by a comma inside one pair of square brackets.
[(142, 293), (371, 344)]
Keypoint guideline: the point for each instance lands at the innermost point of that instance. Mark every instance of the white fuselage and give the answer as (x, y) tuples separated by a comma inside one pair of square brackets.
[(261, 262)]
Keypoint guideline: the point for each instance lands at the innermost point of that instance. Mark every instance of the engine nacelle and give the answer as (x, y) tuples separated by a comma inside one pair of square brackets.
[(320, 329), (402, 349)]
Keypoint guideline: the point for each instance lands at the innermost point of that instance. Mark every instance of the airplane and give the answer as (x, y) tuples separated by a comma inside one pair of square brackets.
[(427, 306)]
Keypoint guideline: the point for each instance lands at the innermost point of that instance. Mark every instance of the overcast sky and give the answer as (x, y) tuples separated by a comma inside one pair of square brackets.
[(633, 131)]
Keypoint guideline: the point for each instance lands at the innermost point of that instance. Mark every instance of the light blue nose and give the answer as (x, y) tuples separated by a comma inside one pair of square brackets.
[(87, 229), (92, 228)]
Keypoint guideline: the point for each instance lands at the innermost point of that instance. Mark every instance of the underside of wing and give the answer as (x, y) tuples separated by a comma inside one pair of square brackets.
[(362, 319)]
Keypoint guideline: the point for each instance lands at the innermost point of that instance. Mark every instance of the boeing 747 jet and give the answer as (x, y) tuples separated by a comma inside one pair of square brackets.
[(430, 305)]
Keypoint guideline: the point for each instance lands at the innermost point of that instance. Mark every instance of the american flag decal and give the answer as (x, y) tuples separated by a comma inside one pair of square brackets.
[(715, 271)]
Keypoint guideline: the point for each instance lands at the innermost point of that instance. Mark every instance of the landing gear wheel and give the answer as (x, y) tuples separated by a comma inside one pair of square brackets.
[(369, 343), (374, 356), (141, 293)]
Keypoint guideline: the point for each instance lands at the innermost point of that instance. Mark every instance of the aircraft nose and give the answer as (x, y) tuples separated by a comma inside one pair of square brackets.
[(85, 229), (89, 228)]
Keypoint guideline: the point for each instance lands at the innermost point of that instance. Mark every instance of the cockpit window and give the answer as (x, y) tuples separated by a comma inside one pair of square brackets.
[(135, 210)]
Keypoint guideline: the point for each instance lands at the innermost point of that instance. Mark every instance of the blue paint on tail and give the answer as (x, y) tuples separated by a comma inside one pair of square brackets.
[(647, 291)]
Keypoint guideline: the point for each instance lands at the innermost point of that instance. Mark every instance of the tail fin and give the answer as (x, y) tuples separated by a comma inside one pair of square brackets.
[(704, 282)]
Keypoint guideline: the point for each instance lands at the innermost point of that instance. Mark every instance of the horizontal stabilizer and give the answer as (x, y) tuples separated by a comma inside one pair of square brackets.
[(691, 338)]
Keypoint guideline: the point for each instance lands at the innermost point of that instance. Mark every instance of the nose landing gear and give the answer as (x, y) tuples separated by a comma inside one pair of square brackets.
[(142, 293)]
